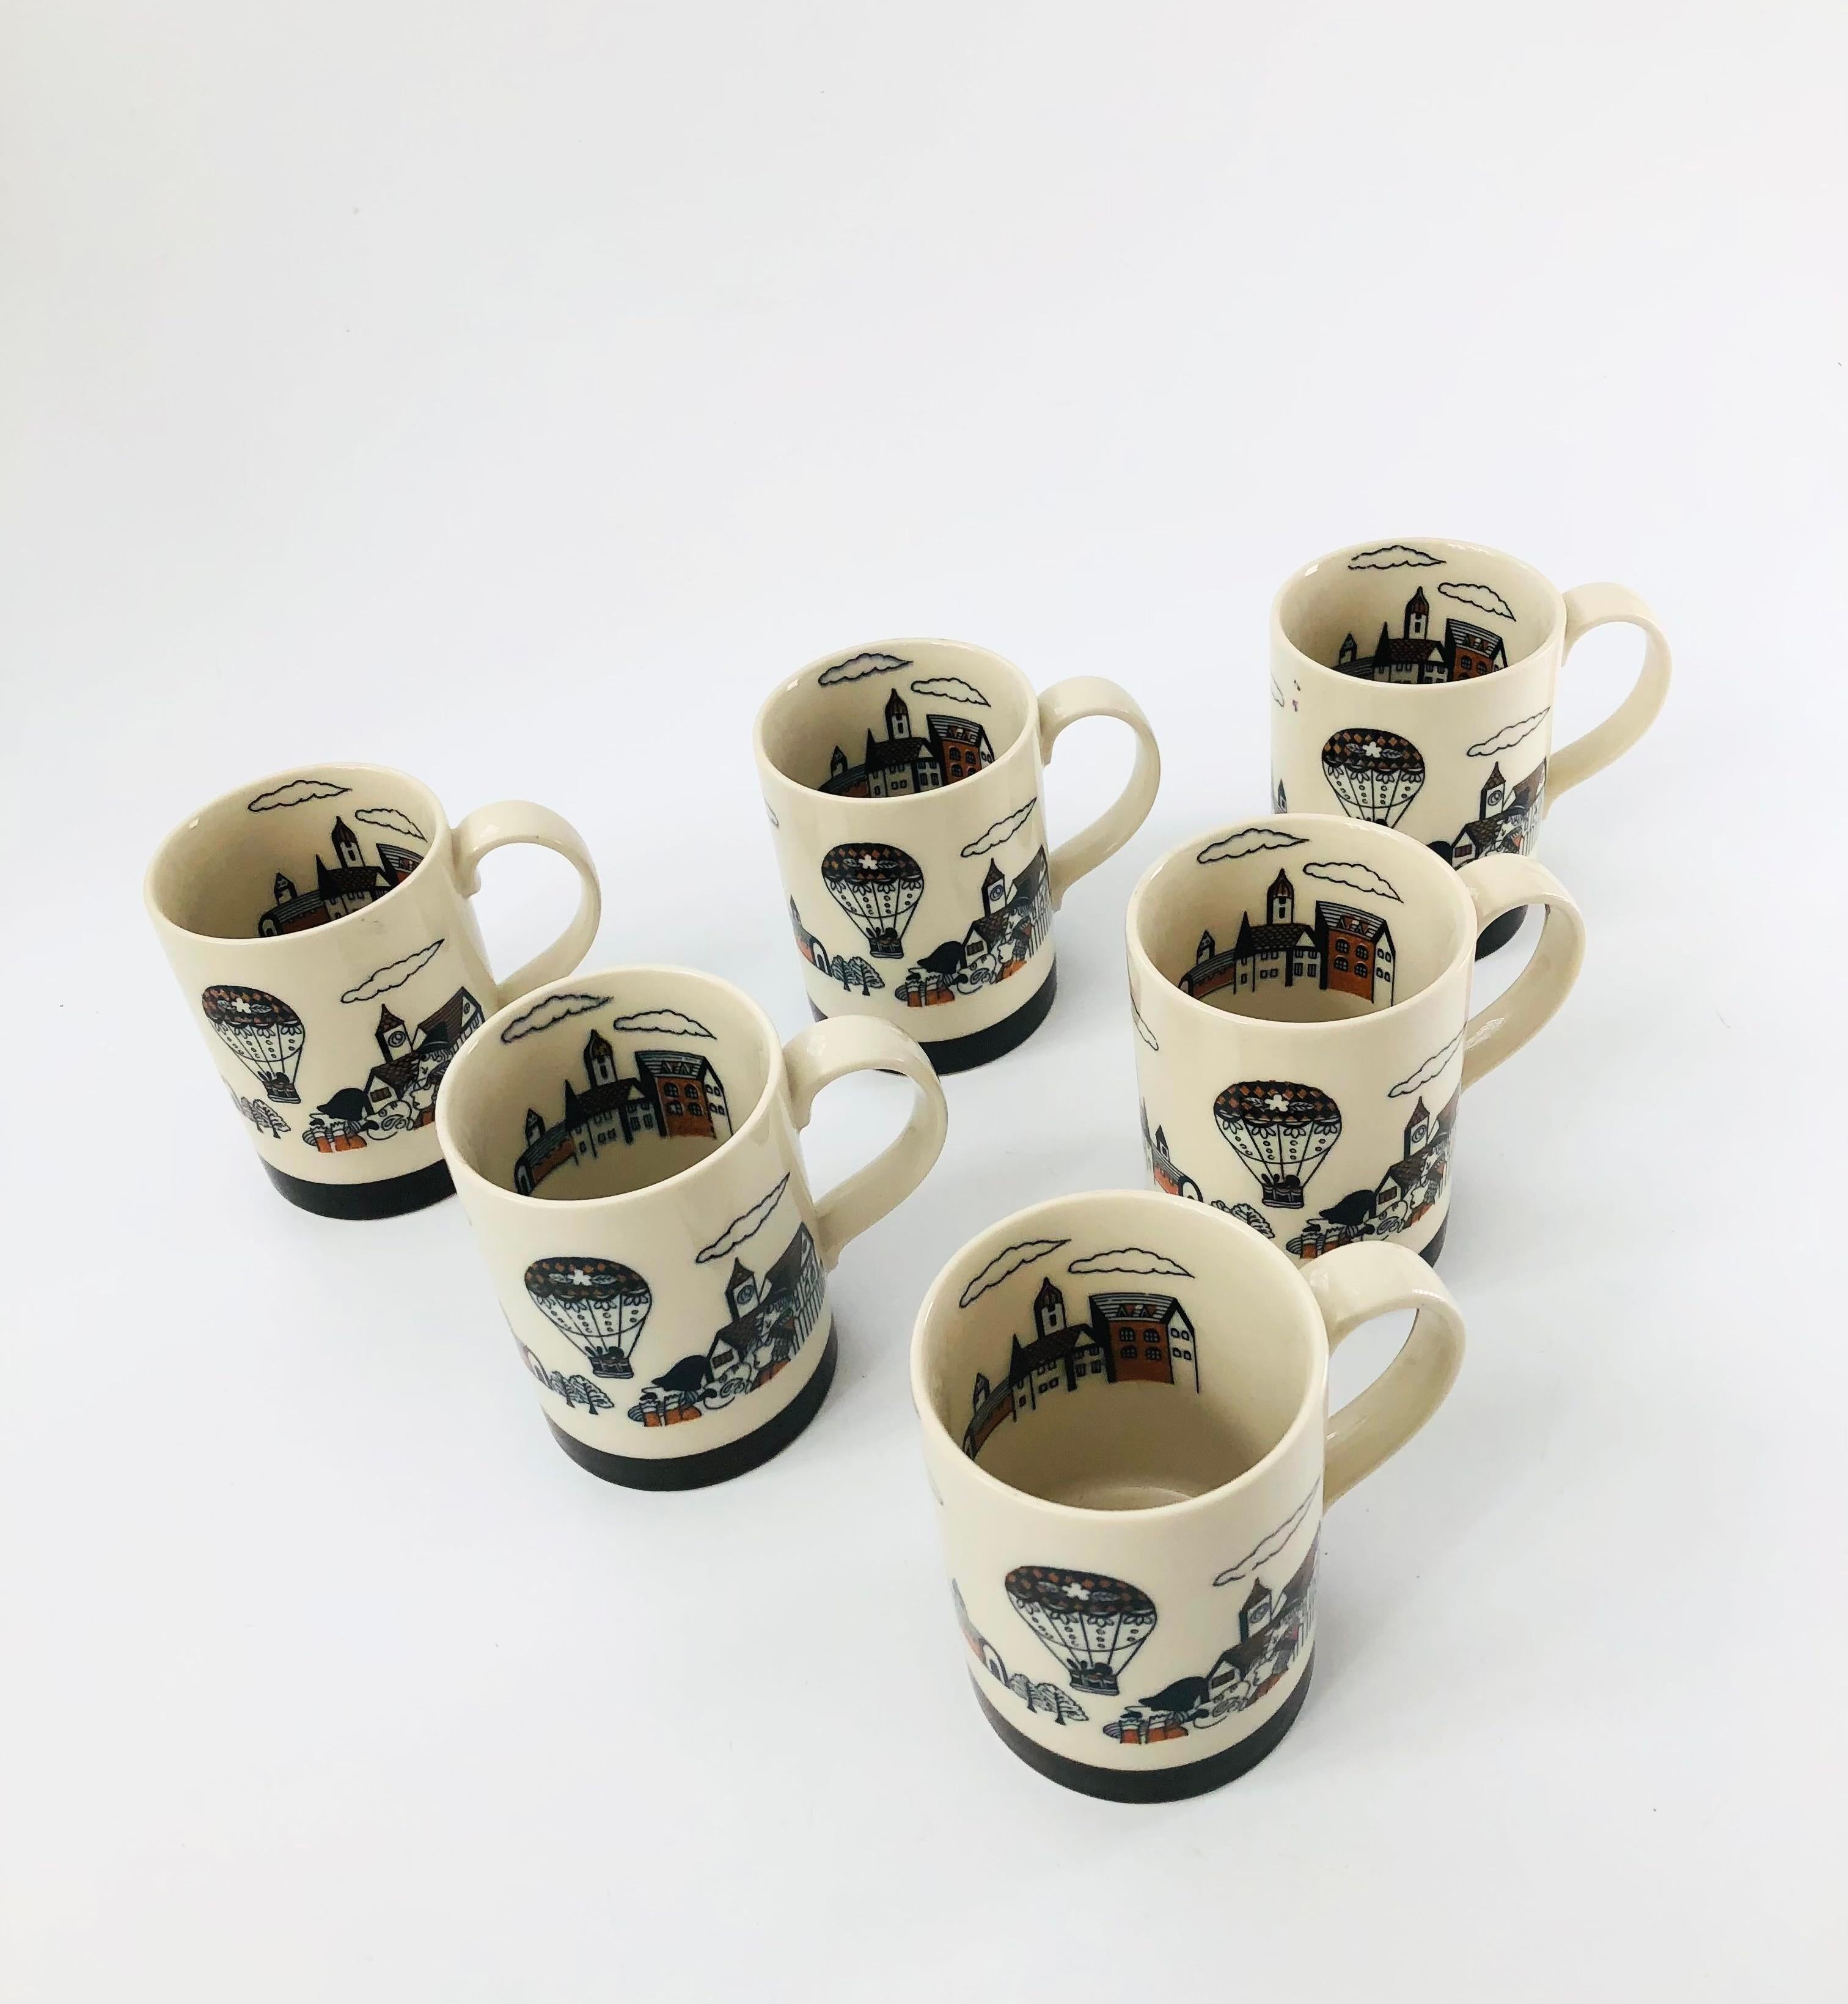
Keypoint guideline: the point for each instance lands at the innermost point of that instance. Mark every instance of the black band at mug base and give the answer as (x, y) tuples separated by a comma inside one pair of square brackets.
[(1498, 932), (390, 1197), (1158, 1785), (981, 1047), (718, 1464)]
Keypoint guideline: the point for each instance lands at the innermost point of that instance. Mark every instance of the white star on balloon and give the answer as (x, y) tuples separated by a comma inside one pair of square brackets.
[(1278, 1103), (1074, 1592)]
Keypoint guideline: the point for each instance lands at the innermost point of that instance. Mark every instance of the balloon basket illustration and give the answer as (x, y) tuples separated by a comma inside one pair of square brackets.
[(1281, 1131), (262, 1032), (598, 1305), (1375, 774), (878, 888)]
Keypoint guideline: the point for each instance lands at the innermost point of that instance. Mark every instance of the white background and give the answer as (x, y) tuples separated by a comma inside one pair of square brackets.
[(512, 393)]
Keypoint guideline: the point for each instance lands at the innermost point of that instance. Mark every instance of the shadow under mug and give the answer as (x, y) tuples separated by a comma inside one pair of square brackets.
[(625, 1147), (903, 783), (318, 922), (1124, 1404), (1413, 686), (1299, 990)]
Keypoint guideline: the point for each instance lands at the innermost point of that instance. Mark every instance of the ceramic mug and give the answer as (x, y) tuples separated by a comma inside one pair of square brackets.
[(1300, 992), (625, 1145), (1411, 686), (318, 922), (903, 783), (1124, 1410)]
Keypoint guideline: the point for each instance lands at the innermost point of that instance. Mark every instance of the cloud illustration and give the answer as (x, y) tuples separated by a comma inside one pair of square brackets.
[(1141, 1028), (1355, 876), (1509, 735), (1272, 1542), (1247, 841), (382, 979), (1246, 1215), (1484, 598), (952, 686), (1009, 825), (743, 1226), (1129, 1259), (554, 1009), (1008, 1262), (399, 824), (856, 667), (294, 794), (1391, 556), (1431, 1068), (663, 1022)]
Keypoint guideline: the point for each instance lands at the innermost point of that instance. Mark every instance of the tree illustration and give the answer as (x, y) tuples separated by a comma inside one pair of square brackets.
[(577, 1390), (857, 972), (1064, 1707), (265, 1116)]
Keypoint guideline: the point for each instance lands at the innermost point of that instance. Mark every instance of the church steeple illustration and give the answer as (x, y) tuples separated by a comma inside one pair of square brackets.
[(1283, 900), (994, 889), (600, 1059), (1495, 794), (1419, 1128), (898, 717), (742, 1290), (1048, 1309), (1418, 616), (346, 846), (394, 1039)]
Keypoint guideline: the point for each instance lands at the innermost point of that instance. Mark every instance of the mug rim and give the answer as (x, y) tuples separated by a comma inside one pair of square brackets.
[(158, 911), (1140, 956), (1556, 623), (1313, 1331), (792, 684), (461, 1166)]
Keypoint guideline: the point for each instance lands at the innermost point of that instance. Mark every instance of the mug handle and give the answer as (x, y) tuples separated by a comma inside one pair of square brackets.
[(1351, 1286), (1065, 703), (1499, 884), (815, 1058), (1587, 606), (494, 827)]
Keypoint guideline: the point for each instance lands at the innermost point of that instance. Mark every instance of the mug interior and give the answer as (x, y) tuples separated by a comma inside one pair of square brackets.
[(1419, 614), (893, 720), (1302, 919), (1118, 1351), (604, 1083), (295, 851)]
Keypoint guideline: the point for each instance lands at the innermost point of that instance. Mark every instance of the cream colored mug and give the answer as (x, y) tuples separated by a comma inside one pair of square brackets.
[(1124, 1403), (1411, 687), (318, 922), (625, 1147), (1299, 994), (903, 782)]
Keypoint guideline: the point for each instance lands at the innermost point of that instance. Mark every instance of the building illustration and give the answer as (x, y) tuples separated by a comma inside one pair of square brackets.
[(351, 883), (1402, 1196), (770, 1318), (951, 748), (1273, 1628), (1344, 949), (673, 1096), (1058, 1705), (399, 1093), (1508, 818), (1129, 1339), (1162, 1167), (857, 973), (1414, 656), (1014, 922)]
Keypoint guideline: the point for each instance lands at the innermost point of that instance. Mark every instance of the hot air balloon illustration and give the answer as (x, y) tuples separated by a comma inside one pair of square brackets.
[(1375, 774), (878, 888), (262, 1032), (1092, 1623), (599, 1304), (1280, 1132)]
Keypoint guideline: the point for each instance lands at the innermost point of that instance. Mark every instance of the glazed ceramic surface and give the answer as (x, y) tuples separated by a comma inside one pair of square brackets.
[(1300, 996), (1124, 1411), (318, 924), (625, 1145), (1411, 687), (903, 784)]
